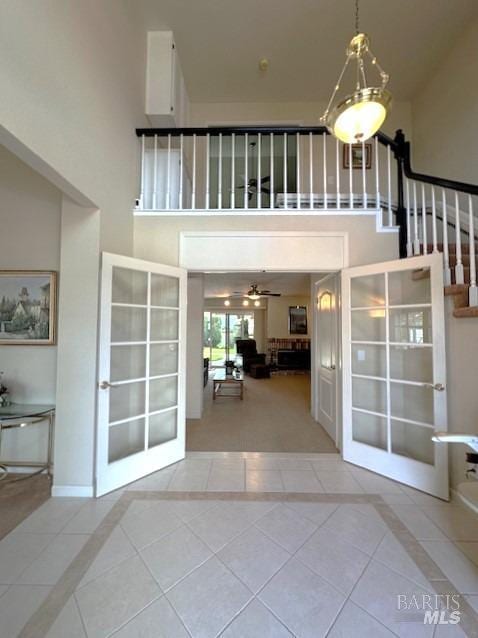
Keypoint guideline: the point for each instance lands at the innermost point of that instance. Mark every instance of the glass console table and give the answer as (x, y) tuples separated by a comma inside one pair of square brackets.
[(22, 415)]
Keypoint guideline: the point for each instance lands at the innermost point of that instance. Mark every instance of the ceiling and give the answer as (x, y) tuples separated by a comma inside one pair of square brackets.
[(220, 43), (225, 284)]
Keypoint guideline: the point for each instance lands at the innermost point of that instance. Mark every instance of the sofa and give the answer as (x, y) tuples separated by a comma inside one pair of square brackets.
[(205, 371)]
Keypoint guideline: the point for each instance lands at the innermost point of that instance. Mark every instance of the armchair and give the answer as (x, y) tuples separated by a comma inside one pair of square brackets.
[(250, 356)]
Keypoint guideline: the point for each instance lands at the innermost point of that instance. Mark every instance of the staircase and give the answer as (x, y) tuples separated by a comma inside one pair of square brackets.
[(460, 292)]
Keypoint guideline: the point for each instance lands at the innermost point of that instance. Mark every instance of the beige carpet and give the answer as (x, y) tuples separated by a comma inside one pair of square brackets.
[(273, 417)]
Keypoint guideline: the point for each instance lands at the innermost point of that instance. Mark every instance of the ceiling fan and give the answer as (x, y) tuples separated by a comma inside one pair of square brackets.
[(254, 293), (252, 186)]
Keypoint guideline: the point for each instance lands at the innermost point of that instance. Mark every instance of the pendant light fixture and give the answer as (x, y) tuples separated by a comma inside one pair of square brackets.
[(360, 115)]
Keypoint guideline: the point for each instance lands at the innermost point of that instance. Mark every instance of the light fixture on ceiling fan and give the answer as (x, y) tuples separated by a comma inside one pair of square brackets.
[(254, 294), (359, 115)]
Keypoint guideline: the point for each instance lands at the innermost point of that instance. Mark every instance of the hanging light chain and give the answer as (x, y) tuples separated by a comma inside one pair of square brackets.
[(357, 26), (336, 88)]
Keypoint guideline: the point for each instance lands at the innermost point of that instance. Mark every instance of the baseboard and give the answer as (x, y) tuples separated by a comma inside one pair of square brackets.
[(466, 501), (80, 491)]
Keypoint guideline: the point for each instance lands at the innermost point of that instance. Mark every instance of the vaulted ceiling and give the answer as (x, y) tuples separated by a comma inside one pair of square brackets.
[(220, 43)]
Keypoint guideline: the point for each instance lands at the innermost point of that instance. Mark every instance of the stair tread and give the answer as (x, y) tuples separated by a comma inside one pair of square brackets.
[(468, 311), (456, 289)]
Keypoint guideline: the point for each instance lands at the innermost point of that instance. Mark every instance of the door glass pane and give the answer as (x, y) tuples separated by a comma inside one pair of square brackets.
[(369, 360), (128, 324), (164, 325), (369, 394), (217, 338), (368, 291), (129, 286), (127, 362), (127, 400), (368, 325), (326, 319), (409, 287), (163, 358), (162, 427), (411, 363), (164, 291), (163, 393), (412, 402), (125, 439), (411, 325), (369, 429), (413, 441)]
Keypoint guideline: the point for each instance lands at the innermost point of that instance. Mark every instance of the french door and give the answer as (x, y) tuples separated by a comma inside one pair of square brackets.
[(141, 386), (394, 371)]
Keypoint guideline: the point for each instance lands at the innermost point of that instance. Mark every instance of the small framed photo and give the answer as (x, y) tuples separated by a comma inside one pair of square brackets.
[(27, 307), (297, 320), (357, 151)]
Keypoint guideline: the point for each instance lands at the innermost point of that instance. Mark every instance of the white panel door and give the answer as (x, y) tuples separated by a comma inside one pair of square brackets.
[(394, 371), (327, 354), (141, 385)]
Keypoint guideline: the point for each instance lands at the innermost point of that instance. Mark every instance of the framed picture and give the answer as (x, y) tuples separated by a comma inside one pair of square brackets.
[(357, 155), (297, 320), (27, 307)]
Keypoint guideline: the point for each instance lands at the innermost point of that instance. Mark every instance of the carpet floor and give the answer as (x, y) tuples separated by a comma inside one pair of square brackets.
[(273, 417)]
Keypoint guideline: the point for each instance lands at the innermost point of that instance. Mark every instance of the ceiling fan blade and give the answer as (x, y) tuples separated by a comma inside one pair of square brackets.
[(265, 179), (266, 191), (270, 294)]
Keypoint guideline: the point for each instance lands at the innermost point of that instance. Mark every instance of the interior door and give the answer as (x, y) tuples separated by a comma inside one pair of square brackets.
[(141, 386), (394, 371), (326, 339)]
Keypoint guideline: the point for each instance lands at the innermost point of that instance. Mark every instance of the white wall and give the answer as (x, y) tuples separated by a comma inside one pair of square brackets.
[(278, 316), (194, 352), (30, 209)]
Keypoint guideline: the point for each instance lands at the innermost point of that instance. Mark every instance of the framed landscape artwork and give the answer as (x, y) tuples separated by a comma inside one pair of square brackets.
[(27, 307), (297, 320), (357, 155)]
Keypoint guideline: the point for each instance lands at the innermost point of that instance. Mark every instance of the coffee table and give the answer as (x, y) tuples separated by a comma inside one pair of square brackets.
[(231, 387)]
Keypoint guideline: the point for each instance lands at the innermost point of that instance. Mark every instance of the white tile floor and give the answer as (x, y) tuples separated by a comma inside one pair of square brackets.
[(268, 568)]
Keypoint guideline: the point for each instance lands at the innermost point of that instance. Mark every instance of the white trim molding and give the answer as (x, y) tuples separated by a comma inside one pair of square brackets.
[(76, 491)]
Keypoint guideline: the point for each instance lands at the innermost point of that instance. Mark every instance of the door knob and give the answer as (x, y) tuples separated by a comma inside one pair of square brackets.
[(439, 387), (104, 385)]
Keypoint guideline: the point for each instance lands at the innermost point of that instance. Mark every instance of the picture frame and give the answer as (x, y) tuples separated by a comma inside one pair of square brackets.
[(28, 300), (298, 320), (357, 152)]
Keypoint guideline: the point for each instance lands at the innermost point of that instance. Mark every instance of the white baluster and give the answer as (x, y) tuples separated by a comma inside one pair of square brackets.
[(219, 175), (142, 177), (364, 177), (446, 256), (473, 291), (409, 238), (311, 170), (246, 171), (389, 182), (351, 179), (424, 221), (208, 158), (378, 203), (233, 170), (168, 176), (416, 241), (337, 169), (154, 205), (285, 171), (459, 272), (297, 176), (434, 222), (181, 170), (271, 168), (324, 159), (193, 188), (259, 170)]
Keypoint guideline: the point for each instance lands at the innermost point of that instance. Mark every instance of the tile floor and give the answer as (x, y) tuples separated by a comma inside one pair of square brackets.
[(240, 546)]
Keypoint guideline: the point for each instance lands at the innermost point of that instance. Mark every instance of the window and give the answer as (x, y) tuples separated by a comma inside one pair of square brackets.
[(221, 329)]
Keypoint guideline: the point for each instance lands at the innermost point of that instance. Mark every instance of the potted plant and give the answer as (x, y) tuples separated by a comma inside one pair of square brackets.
[(229, 367)]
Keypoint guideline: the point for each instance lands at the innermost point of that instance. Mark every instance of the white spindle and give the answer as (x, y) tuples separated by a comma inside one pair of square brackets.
[(424, 221), (459, 272), (324, 160), (259, 170), (271, 170), (246, 170), (208, 158), (434, 221), (311, 170), (181, 170), (219, 174), (168, 176), (378, 203), (193, 188), (285, 170), (337, 170), (233, 170), (297, 176), (416, 240), (154, 205), (351, 179), (446, 256), (389, 182), (409, 238), (141, 193), (364, 177), (473, 291)]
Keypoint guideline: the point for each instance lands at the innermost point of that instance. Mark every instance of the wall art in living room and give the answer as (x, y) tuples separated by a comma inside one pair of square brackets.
[(297, 320), (27, 307)]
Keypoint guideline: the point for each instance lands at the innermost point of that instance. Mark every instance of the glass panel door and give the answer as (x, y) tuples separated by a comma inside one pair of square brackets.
[(221, 329), (141, 385), (394, 370)]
